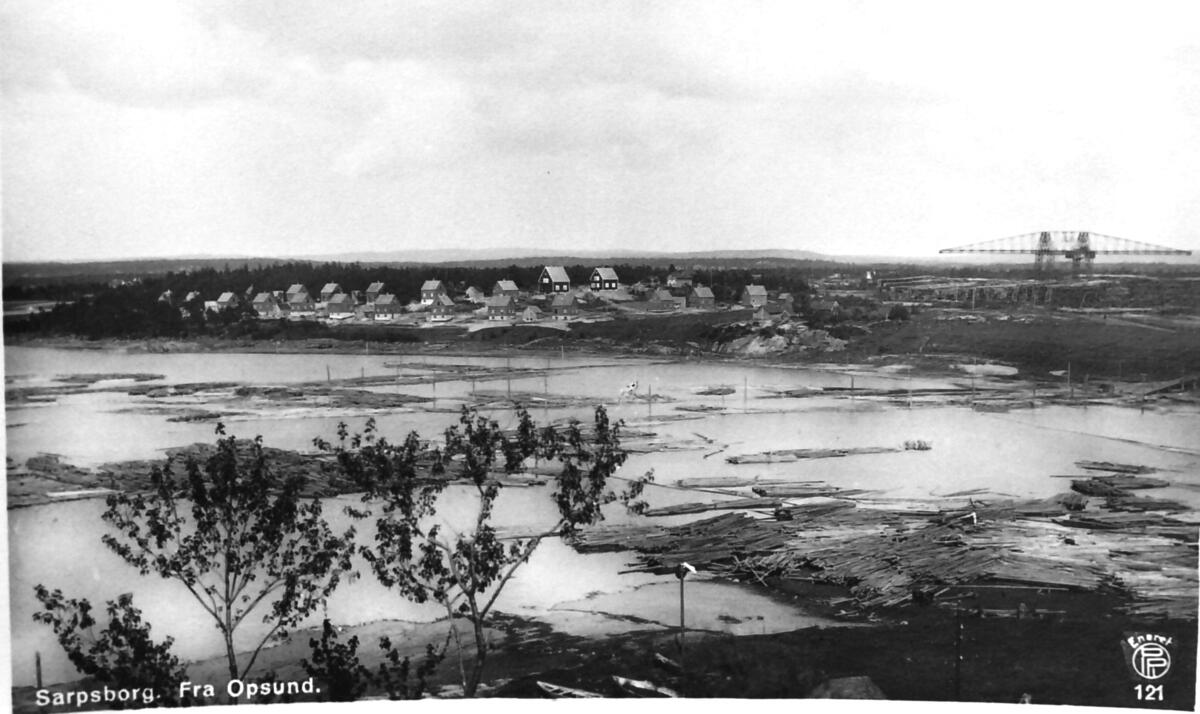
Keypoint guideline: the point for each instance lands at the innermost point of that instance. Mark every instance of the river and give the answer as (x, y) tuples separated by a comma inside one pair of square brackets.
[(1009, 454)]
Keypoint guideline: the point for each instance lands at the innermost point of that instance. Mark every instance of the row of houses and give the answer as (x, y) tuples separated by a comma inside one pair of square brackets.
[(554, 297)]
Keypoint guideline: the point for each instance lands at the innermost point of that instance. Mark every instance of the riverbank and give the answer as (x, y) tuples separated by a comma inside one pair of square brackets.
[(1038, 342), (908, 654)]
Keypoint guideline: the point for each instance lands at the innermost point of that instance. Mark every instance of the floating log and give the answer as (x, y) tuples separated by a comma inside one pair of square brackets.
[(1110, 466), (795, 491), (557, 691), (1132, 482), (812, 510), (785, 455), (681, 509), (1139, 504), (731, 481), (642, 688), (1096, 487)]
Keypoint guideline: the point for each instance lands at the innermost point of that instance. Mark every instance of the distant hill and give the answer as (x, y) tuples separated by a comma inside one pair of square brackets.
[(52, 273)]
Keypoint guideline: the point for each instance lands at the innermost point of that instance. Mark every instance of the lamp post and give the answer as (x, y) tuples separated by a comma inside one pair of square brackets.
[(681, 572)]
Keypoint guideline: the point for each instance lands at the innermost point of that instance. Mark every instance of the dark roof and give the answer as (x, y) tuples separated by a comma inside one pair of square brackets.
[(500, 301), (445, 301), (341, 298), (702, 291), (386, 299)]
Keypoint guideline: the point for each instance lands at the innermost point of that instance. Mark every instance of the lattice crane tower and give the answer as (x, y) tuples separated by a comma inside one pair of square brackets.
[(1080, 247)]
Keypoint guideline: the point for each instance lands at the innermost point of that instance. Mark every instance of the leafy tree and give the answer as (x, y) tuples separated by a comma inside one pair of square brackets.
[(122, 654), (238, 536), (345, 678), (466, 571)]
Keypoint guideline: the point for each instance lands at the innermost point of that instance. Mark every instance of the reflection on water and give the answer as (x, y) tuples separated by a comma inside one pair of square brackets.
[(1010, 454)]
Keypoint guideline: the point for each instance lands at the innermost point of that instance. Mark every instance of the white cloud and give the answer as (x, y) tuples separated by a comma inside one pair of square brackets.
[(152, 126)]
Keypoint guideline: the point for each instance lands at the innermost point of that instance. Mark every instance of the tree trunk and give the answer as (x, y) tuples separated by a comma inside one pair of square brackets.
[(480, 656), (232, 657)]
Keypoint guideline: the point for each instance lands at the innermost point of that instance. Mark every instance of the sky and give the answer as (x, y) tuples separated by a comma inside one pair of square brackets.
[(157, 128)]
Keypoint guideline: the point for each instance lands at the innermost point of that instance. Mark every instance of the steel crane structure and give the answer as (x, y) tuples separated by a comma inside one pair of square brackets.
[(1080, 247)]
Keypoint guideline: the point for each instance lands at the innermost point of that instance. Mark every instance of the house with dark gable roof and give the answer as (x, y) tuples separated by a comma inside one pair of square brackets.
[(374, 290), (228, 301), (604, 279), (554, 279)]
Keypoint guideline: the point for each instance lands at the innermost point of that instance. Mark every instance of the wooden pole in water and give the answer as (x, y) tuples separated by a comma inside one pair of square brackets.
[(37, 661), (328, 377)]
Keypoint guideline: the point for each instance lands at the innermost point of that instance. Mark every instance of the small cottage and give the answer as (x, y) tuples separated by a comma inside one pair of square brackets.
[(374, 290), (533, 313), (430, 290), (604, 279), (563, 307), (300, 303), (265, 305), (701, 297), (554, 280), (669, 301), (329, 291), (476, 296), (754, 296), (501, 307), (340, 306), (506, 287), (228, 301), (442, 310), (679, 280), (387, 307)]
